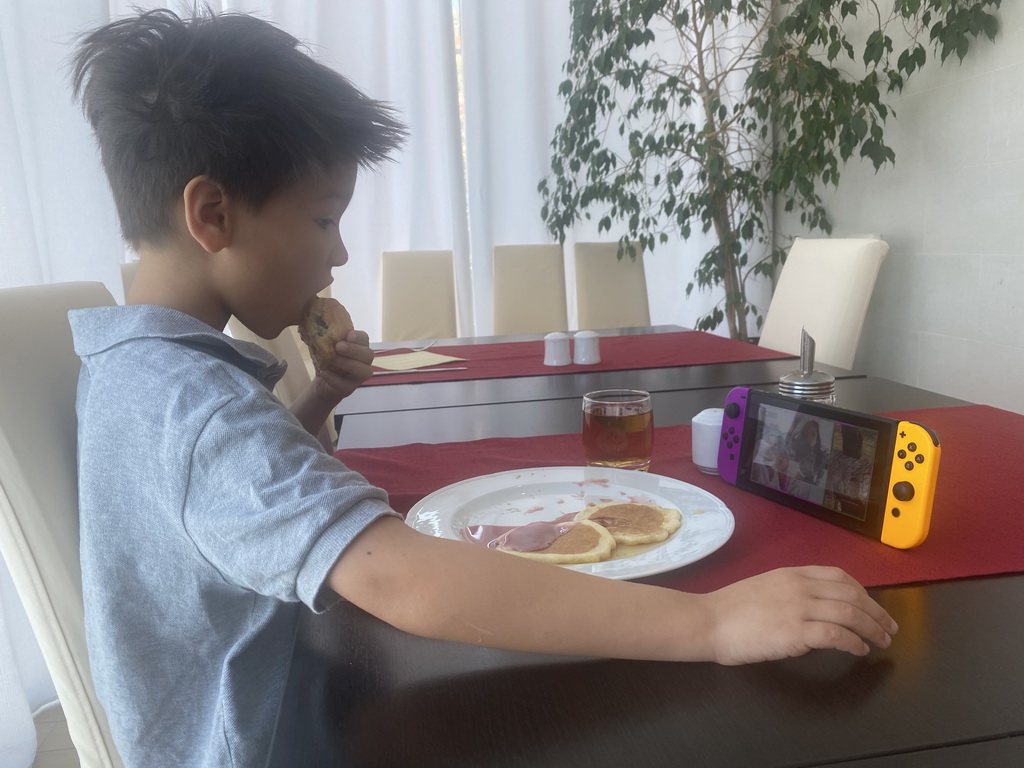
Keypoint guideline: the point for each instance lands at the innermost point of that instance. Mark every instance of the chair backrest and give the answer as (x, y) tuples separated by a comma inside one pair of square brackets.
[(825, 286), (610, 292), (288, 346), (128, 271), (529, 289), (418, 295), (39, 493)]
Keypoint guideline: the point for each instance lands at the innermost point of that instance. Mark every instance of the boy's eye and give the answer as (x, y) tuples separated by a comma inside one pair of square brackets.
[(327, 223)]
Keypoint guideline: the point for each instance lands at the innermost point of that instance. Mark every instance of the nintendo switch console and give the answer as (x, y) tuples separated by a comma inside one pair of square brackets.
[(870, 474)]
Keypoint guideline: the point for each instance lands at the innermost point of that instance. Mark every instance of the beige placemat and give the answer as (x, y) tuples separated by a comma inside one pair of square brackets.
[(412, 360)]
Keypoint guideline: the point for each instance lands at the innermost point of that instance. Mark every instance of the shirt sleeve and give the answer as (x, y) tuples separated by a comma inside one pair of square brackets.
[(268, 507)]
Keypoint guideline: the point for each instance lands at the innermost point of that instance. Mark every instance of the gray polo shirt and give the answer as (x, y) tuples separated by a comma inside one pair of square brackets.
[(207, 514)]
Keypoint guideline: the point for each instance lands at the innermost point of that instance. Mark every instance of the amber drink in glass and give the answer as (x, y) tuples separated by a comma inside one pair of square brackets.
[(618, 428)]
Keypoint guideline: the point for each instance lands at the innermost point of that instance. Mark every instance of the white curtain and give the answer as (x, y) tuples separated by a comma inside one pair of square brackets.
[(512, 65), (513, 54), (57, 220), (56, 216)]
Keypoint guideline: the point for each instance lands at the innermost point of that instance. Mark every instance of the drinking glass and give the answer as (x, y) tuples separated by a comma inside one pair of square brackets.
[(618, 428)]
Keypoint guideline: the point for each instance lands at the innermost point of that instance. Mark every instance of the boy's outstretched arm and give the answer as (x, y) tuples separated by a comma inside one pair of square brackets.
[(339, 378), (456, 591)]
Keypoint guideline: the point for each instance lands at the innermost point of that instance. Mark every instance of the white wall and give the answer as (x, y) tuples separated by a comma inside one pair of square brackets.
[(947, 313)]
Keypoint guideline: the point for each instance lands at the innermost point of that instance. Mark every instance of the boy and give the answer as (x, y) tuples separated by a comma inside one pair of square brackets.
[(208, 511)]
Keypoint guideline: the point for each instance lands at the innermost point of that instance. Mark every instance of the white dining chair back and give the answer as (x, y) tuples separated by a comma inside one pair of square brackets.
[(418, 295), (610, 292), (288, 346), (529, 289), (128, 271), (39, 493), (825, 286)]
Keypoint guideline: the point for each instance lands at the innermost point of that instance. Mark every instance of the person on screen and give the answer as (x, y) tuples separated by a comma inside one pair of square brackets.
[(806, 453), (849, 474), (209, 511), (770, 462), (802, 467)]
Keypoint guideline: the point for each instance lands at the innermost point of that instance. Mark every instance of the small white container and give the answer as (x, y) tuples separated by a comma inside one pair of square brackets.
[(556, 349), (586, 348), (706, 434)]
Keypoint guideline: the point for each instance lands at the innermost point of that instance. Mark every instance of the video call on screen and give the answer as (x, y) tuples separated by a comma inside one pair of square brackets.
[(823, 461)]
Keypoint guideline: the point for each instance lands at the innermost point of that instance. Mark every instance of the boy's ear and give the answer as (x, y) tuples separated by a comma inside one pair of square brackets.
[(207, 213)]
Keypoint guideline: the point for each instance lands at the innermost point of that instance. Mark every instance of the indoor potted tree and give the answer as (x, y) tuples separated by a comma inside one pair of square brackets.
[(684, 114)]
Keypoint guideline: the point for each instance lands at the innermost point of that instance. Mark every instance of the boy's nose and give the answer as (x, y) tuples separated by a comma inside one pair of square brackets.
[(339, 256)]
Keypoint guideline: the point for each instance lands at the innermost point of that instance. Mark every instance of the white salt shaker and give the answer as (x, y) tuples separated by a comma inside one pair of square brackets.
[(706, 433), (587, 349), (556, 349)]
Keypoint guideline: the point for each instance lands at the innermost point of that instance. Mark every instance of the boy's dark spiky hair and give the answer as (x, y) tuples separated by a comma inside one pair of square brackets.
[(224, 95)]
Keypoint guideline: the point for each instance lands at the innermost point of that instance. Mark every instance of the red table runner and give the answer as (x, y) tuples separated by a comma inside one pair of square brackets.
[(977, 521), (618, 353)]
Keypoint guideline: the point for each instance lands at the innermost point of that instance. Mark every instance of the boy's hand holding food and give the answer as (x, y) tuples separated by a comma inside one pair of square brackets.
[(341, 356)]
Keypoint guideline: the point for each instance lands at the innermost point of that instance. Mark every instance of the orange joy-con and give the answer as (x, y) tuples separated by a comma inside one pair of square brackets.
[(915, 465)]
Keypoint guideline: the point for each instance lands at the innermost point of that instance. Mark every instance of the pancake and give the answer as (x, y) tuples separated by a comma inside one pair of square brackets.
[(324, 323), (583, 542), (631, 523)]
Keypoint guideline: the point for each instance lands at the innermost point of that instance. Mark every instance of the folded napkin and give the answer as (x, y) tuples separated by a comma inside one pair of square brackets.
[(412, 360)]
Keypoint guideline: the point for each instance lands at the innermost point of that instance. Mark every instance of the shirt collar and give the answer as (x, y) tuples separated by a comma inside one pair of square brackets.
[(98, 330)]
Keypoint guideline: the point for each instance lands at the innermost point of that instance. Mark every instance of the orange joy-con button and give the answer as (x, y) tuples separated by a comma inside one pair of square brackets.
[(915, 466)]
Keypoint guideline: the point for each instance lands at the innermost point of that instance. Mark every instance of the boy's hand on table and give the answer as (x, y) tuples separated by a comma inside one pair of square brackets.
[(347, 370), (790, 611)]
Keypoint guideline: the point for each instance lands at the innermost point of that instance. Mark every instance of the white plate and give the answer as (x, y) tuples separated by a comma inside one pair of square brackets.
[(528, 495)]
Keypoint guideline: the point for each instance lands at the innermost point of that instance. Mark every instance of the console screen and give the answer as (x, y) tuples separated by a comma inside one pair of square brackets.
[(826, 462)]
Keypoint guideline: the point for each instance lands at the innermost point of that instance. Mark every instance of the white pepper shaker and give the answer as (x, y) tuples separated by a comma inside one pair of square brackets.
[(556, 349), (587, 349)]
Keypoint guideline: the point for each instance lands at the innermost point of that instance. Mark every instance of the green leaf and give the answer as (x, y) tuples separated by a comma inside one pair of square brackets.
[(962, 46)]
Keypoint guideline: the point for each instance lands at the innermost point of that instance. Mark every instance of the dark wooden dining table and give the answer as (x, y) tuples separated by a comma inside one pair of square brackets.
[(949, 691)]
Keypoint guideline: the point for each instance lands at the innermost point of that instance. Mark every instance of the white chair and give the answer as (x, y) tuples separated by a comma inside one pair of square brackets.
[(529, 289), (418, 295), (825, 286), (610, 292), (288, 346), (128, 272), (39, 493)]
